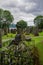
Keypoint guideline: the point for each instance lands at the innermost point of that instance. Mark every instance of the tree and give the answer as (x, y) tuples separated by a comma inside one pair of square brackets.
[(8, 19), (1, 20), (39, 21), (5, 20), (21, 25)]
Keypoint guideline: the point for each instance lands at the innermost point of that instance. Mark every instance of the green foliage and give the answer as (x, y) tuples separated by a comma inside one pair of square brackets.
[(1, 20), (39, 21), (1, 17), (38, 44), (21, 24), (19, 55), (6, 18)]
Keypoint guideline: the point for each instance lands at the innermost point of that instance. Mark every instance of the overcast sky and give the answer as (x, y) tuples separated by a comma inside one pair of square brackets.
[(23, 9)]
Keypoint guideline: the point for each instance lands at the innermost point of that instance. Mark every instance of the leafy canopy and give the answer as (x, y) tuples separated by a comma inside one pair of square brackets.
[(21, 24), (39, 21), (6, 18)]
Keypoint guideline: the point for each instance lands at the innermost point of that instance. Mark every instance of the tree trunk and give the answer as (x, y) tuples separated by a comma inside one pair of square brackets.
[(8, 30), (0, 38), (5, 31)]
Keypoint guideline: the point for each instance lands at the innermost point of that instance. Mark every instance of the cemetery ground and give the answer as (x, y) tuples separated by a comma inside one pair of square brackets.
[(37, 40)]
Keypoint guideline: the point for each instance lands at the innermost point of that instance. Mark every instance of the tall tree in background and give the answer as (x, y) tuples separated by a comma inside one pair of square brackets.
[(21, 25), (8, 19), (39, 21), (1, 22)]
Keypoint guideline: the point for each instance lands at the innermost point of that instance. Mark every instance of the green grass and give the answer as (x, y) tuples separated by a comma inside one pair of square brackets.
[(39, 45), (41, 33), (40, 49), (10, 35), (5, 44), (31, 35), (38, 41)]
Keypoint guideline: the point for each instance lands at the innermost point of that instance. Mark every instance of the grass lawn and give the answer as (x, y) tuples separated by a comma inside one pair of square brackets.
[(10, 35), (38, 41), (39, 45), (41, 33), (40, 48)]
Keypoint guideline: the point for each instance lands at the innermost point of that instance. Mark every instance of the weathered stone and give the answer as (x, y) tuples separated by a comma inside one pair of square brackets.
[(16, 41), (36, 34), (28, 38)]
